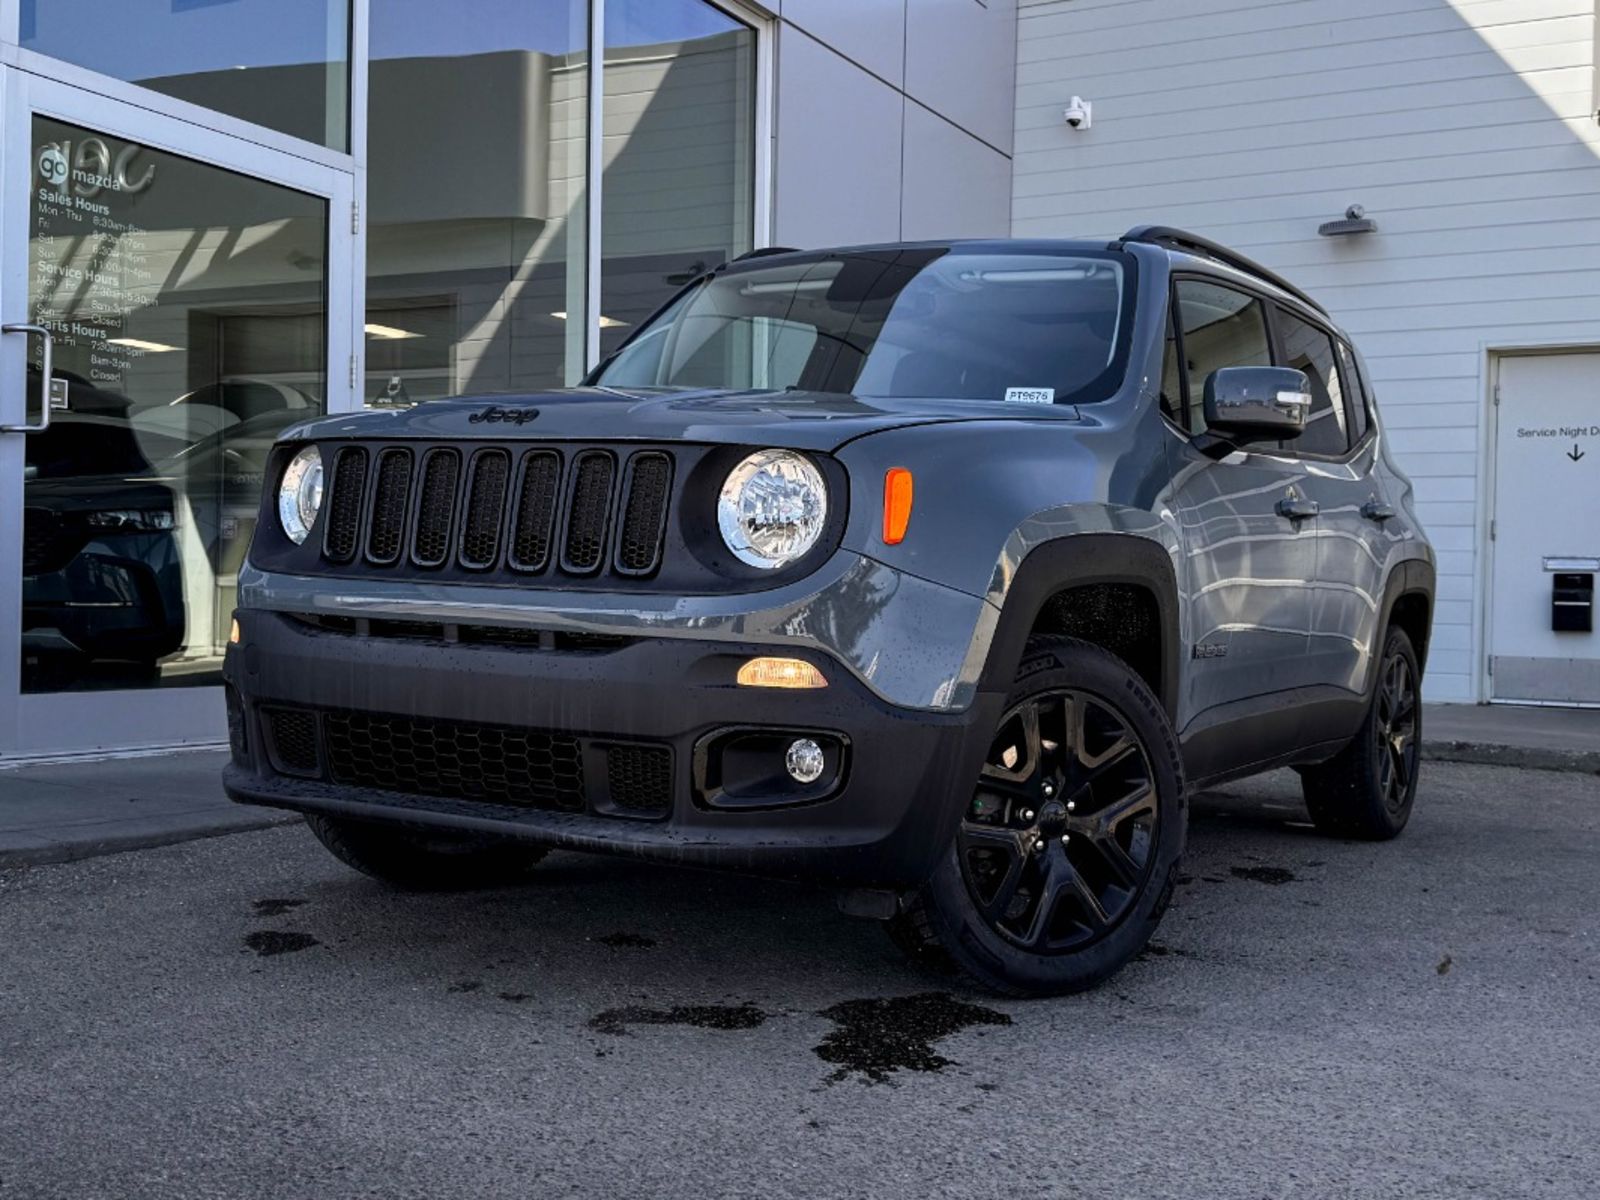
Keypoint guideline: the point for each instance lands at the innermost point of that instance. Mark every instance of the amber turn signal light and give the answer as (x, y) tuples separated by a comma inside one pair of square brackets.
[(780, 673), (233, 634), (896, 505)]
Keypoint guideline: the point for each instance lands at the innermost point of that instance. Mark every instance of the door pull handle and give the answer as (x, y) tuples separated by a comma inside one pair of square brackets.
[(45, 376), (1376, 510), (1297, 508)]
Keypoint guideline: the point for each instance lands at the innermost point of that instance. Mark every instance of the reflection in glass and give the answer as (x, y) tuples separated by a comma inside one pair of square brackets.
[(279, 64), (679, 125), (477, 156), (188, 309)]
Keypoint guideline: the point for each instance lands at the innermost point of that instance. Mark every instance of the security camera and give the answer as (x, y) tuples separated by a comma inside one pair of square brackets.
[(1080, 113)]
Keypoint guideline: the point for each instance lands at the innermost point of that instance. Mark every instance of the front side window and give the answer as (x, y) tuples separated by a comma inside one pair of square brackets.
[(1220, 327), (924, 323), (1308, 348)]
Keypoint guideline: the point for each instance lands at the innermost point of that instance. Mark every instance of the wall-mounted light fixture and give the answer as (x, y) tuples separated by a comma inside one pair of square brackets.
[(1355, 221)]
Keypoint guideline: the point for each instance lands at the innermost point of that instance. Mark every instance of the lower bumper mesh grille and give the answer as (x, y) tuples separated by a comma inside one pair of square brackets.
[(461, 760), (640, 777), (452, 758)]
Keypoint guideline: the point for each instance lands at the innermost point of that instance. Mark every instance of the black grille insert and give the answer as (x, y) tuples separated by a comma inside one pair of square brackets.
[(46, 544), (536, 510), (292, 740), (645, 491), (430, 544), (455, 759), (390, 499), (343, 533), (486, 505), (640, 777), (588, 512)]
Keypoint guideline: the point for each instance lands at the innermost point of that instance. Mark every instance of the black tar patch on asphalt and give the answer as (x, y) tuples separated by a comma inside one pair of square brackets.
[(267, 942), (878, 1037), (702, 1016), (626, 941), (466, 985), (275, 908), (1272, 875)]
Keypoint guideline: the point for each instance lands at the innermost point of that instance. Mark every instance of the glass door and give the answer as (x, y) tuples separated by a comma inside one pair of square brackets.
[(172, 297)]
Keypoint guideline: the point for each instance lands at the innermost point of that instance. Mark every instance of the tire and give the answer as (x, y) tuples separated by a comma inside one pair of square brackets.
[(1367, 790), (425, 862), (1015, 905)]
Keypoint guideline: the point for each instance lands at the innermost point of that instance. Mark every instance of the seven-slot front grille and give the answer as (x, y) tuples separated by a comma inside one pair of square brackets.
[(581, 512)]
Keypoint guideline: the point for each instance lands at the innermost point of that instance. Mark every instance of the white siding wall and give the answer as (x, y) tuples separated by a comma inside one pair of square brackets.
[(1465, 127), (893, 119)]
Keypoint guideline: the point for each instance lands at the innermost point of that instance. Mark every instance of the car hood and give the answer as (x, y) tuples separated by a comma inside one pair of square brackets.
[(802, 420)]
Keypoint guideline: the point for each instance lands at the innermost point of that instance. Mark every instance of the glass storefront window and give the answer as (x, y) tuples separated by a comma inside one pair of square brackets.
[(679, 123), (189, 312), (279, 64), (477, 151)]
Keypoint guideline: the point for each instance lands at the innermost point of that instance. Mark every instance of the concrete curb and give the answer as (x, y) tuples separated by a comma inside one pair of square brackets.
[(96, 847), (1533, 758)]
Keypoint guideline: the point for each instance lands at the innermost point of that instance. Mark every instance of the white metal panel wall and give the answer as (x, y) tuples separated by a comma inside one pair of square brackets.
[(893, 120), (1465, 128)]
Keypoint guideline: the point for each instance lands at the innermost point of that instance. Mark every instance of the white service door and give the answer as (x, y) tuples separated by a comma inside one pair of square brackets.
[(1547, 526)]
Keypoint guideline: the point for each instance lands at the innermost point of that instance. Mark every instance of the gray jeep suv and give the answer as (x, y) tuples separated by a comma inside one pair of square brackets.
[(942, 572)]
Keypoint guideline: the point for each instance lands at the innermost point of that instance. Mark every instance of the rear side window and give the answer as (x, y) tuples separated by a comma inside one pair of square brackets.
[(1310, 349), (1355, 393), (1219, 327)]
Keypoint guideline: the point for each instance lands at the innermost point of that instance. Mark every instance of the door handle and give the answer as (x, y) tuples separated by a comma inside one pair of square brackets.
[(1298, 508), (1377, 510), (45, 375)]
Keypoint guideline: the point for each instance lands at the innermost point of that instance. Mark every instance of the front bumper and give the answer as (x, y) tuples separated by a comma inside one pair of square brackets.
[(905, 779)]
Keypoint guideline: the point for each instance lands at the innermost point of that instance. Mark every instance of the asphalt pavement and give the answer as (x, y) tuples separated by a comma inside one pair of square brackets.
[(243, 1017)]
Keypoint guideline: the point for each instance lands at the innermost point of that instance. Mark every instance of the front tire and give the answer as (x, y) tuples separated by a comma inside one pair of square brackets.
[(1367, 790), (1067, 853), (424, 862)]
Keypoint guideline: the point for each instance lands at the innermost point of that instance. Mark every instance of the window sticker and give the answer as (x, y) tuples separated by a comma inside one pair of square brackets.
[(1019, 395)]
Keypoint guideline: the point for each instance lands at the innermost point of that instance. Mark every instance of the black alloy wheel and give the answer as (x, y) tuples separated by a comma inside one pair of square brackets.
[(1367, 789), (1060, 835), (1396, 731), (1066, 854)]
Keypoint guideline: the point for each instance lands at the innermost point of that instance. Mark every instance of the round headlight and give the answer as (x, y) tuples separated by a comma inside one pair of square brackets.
[(772, 508), (300, 494)]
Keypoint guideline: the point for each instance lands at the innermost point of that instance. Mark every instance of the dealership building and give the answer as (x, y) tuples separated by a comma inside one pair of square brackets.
[(224, 216)]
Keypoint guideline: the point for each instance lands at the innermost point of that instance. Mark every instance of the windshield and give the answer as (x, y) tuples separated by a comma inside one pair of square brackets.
[(915, 323)]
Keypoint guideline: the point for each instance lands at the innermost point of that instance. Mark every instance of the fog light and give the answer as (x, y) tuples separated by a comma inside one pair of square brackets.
[(804, 760), (780, 673)]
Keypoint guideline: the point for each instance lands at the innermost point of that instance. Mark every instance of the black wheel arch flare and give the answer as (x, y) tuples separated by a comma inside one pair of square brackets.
[(1078, 560)]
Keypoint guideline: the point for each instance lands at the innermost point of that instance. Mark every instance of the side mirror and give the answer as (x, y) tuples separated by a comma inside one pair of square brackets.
[(1252, 404)]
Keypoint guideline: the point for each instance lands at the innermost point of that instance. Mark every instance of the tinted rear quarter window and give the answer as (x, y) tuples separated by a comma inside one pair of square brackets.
[(1355, 393)]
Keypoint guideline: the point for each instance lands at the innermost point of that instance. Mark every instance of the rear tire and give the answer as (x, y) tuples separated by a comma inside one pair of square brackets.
[(1367, 790), (1068, 850), (425, 862)]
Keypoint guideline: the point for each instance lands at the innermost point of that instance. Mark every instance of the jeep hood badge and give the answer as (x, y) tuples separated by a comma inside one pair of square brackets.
[(497, 415)]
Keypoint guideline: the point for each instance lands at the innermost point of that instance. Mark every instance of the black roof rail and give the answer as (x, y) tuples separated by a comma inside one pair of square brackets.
[(1193, 243), (764, 251)]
